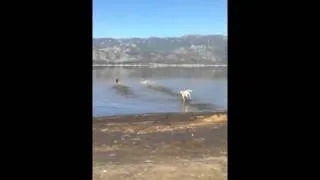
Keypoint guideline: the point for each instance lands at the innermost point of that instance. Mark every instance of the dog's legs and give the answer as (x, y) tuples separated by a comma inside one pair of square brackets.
[(183, 99)]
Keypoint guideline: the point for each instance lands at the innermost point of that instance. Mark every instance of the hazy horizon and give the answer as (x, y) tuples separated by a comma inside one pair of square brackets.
[(133, 37)]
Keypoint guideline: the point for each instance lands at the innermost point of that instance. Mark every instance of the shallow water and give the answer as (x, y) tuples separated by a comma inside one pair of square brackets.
[(208, 85)]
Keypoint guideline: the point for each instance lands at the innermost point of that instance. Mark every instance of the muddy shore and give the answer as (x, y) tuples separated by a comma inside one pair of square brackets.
[(160, 146)]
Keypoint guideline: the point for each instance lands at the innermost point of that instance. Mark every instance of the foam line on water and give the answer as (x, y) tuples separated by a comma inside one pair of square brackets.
[(156, 87)]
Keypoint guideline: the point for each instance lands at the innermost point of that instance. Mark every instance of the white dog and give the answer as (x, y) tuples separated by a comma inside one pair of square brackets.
[(186, 95), (146, 82)]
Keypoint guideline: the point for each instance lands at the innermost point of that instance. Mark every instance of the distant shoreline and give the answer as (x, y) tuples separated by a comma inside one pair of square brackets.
[(160, 65)]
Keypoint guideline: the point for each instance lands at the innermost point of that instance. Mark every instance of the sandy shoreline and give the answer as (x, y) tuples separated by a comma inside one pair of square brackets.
[(160, 146), (141, 117)]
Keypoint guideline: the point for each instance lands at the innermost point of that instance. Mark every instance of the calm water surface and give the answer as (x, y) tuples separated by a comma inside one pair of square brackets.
[(208, 85)]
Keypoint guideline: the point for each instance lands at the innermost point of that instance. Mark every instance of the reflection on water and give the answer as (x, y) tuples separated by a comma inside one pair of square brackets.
[(208, 85)]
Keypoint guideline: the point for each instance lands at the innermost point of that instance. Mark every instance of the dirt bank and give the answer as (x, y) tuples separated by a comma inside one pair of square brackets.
[(160, 146)]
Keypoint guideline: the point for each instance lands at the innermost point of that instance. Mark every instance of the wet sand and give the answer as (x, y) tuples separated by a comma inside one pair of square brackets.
[(160, 146)]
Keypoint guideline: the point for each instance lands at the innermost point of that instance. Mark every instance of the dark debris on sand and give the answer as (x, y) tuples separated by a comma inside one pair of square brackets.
[(160, 146)]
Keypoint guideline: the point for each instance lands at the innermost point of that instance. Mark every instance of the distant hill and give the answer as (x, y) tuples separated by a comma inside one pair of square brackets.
[(190, 49)]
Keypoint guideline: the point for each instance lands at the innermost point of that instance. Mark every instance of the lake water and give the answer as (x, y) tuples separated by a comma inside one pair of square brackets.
[(208, 85)]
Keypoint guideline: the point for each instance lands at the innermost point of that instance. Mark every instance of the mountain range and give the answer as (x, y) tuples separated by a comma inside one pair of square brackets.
[(189, 49)]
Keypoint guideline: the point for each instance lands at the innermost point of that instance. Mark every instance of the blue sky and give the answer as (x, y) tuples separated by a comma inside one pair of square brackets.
[(160, 18)]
